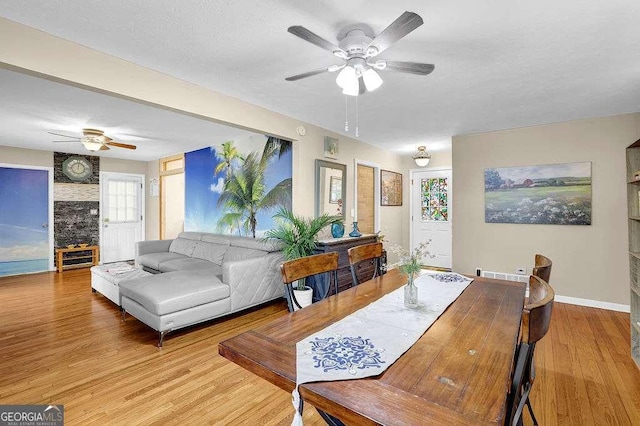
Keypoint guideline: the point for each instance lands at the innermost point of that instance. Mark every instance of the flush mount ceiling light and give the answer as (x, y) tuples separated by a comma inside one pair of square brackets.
[(422, 157)]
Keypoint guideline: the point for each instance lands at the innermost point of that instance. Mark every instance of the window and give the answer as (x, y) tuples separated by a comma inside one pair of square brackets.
[(171, 196), (434, 199), (124, 203)]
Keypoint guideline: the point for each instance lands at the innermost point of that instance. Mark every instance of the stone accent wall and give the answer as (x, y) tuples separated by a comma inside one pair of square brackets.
[(76, 192), (76, 205), (74, 224)]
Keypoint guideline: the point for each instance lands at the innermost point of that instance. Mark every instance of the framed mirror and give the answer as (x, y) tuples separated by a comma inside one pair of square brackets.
[(331, 188)]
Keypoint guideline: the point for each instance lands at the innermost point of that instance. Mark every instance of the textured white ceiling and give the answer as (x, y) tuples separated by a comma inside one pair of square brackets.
[(499, 64)]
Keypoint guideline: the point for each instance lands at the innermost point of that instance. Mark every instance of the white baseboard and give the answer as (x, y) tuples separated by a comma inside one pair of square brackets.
[(593, 303)]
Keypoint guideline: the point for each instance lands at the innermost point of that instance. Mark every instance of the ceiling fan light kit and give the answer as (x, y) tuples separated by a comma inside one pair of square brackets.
[(91, 144), (422, 157), (347, 77), (371, 80)]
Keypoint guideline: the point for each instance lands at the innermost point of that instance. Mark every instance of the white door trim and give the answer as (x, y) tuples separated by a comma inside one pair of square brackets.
[(103, 176), (50, 204), (376, 191), (412, 173)]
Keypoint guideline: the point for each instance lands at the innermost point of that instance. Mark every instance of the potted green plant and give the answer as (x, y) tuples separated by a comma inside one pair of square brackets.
[(299, 236)]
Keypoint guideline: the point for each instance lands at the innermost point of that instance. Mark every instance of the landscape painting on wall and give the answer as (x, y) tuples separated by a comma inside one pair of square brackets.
[(554, 194), (236, 187)]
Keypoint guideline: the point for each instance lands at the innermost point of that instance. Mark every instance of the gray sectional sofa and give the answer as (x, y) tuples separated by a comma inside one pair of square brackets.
[(200, 276)]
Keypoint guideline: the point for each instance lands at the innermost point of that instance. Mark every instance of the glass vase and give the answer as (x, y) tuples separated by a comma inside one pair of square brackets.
[(410, 294), (356, 231), (337, 230)]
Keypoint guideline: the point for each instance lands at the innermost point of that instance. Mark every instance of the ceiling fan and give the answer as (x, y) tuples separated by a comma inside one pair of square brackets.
[(358, 47), (94, 140)]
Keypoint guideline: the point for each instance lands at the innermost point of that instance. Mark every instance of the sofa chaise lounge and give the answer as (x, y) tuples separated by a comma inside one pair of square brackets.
[(199, 276)]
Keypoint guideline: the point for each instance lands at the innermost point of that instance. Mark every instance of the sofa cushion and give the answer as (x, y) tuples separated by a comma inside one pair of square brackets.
[(195, 236), (238, 253), (153, 260), (189, 264), (212, 252), (183, 246), (175, 291), (255, 244), (216, 239)]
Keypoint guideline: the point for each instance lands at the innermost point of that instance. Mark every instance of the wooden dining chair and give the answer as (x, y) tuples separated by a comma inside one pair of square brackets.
[(542, 268), (536, 317), (365, 252), (297, 269)]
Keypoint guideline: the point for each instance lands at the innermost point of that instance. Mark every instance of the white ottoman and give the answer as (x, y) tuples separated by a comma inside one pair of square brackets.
[(106, 279)]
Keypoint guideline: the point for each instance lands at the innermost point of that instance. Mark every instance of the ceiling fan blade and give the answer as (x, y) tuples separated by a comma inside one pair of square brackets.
[(104, 148), (120, 145), (64, 136), (410, 67), (361, 87), (314, 38), (310, 73), (399, 28)]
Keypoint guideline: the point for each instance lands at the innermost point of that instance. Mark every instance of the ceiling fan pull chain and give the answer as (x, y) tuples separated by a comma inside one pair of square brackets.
[(357, 121), (346, 113)]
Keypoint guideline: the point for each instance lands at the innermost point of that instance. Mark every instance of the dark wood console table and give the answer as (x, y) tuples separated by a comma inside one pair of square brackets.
[(341, 245)]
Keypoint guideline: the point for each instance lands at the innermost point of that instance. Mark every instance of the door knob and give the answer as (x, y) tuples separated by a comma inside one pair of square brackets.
[(45, 225)]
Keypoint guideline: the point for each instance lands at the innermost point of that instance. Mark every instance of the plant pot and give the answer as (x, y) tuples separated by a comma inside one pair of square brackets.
[(304, 297)]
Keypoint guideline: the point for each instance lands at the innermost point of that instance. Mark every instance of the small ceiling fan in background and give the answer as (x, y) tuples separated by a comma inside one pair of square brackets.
[(358, 48), (94, 140)]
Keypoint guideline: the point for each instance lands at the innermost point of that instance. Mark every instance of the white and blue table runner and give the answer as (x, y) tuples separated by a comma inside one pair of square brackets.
[(371, 339)]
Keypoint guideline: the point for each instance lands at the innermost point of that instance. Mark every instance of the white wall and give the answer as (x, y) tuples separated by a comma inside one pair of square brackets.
[(28, 157), (589, 262)]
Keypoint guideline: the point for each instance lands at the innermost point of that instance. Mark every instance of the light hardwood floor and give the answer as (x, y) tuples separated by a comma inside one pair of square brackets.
[(62, 344)]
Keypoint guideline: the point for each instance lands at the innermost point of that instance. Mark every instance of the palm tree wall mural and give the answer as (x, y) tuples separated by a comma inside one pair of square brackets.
[(236, 191), (228, 155)]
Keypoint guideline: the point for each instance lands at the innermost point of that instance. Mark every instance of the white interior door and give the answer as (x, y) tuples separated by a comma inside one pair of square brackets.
[(122, 211), (431, 214)]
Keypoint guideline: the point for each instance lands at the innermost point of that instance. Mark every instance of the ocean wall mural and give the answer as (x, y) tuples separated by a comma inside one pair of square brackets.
[(235, 187), (24, 221)]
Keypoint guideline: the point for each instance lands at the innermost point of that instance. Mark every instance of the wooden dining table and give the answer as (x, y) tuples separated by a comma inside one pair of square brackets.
[(458, 372)]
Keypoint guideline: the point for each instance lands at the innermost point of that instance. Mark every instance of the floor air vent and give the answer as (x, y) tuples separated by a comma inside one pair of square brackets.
[(505, 276)]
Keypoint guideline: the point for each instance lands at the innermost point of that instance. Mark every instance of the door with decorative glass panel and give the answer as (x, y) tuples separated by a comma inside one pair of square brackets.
[(122, 216), (431, 214)]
